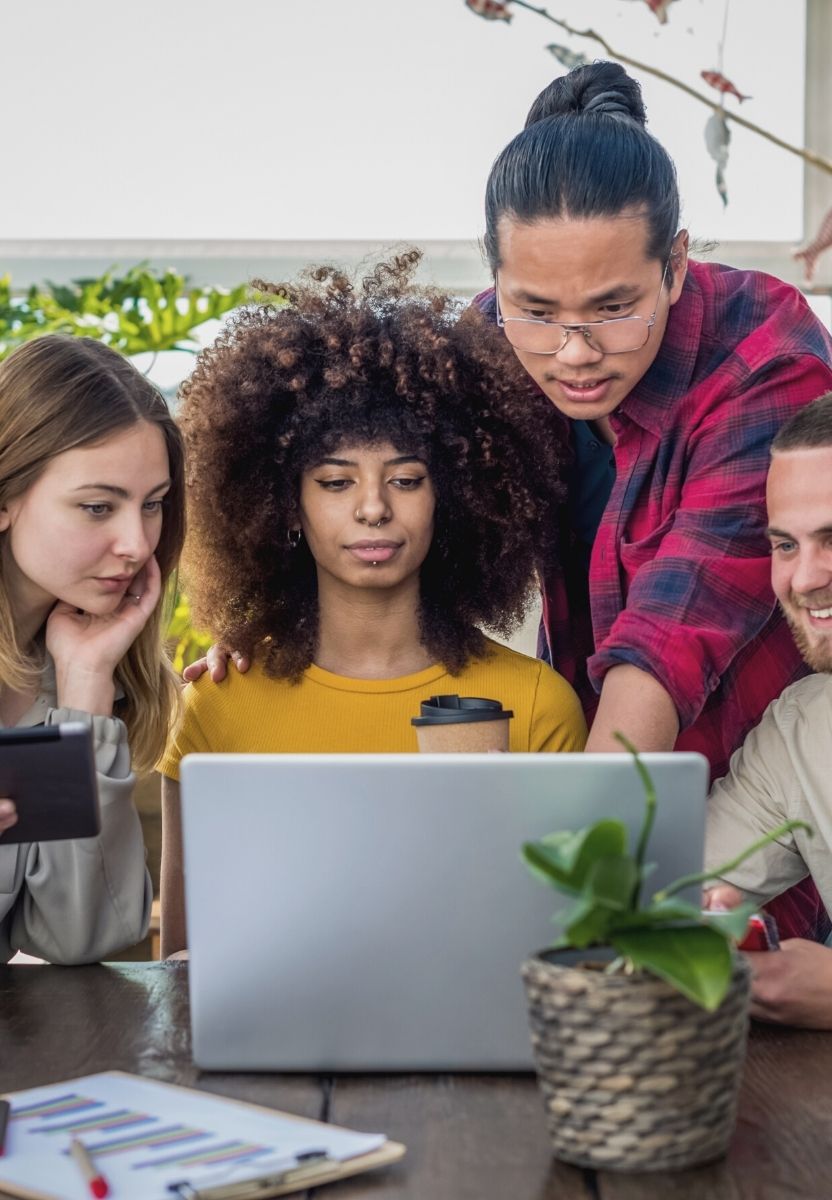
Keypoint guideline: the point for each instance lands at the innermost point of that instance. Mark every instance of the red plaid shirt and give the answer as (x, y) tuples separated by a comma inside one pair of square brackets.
[(679, 578)]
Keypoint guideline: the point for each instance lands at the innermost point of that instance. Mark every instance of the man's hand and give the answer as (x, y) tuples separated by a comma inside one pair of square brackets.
[(789, 986), (215, 663), (721, 897), (793, 985)]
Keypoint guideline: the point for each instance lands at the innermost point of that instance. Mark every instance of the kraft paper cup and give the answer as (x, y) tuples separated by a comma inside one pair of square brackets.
[(467, 724)]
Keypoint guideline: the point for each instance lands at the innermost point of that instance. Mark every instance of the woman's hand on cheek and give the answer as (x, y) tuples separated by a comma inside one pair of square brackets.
[(87, 649)]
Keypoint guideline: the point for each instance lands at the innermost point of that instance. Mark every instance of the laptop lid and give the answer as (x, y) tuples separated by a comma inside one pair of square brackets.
[(371, 913)]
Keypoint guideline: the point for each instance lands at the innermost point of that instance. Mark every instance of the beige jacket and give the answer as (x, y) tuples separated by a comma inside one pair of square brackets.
[(783, 770), (79, 900)]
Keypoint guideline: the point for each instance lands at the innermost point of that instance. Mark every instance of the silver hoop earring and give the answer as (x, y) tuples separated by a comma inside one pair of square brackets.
[(293, 537)]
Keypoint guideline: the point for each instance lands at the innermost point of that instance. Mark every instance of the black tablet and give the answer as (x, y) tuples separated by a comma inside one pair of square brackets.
[(49, 772)]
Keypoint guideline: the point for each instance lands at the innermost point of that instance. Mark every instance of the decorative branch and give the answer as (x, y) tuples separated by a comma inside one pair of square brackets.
[(809, 156)]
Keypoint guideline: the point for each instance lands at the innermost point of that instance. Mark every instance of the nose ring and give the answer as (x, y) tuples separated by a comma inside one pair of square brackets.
[(370, 524)]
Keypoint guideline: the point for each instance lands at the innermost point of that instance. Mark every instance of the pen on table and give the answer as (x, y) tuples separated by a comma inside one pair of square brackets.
[(5, 1109), (92, 1176)]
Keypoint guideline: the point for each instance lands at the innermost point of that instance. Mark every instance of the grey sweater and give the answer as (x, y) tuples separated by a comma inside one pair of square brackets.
[(79, 900), (783, 770)]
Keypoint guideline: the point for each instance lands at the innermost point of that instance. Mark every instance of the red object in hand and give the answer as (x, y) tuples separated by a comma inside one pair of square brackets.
[(761, 933)]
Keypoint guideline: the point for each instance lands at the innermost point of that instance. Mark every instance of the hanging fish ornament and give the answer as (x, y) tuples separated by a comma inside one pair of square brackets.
[(659, 7), (717, 80), (491, 10), (569, 58), (717, 139), (820, 242)]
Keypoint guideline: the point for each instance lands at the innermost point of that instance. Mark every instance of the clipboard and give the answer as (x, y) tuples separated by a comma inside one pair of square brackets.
[(115, 1110), (299, 1178)]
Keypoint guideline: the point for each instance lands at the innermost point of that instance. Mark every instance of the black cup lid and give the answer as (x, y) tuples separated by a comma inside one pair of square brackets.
[(455, 710)]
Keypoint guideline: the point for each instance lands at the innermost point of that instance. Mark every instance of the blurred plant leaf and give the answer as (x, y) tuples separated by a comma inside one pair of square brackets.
[(670, 936), (694, 959), (563, 859), (185, 643)]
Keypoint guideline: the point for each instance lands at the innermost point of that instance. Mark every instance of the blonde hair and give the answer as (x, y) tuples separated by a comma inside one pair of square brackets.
[(58, 393)]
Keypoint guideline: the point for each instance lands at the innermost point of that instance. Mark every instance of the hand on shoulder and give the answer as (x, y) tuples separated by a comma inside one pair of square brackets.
[(215, 663)]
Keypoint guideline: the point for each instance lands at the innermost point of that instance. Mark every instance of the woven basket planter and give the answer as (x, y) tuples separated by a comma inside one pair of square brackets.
[(635, 1076)]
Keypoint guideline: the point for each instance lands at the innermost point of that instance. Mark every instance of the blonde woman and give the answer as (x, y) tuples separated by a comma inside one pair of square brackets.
[(91, 527)]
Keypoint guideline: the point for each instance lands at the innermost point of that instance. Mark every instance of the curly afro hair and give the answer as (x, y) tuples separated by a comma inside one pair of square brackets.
[(333, 365)]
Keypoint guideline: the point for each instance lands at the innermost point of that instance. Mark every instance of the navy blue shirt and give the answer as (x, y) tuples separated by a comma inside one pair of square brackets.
[(590, 482)]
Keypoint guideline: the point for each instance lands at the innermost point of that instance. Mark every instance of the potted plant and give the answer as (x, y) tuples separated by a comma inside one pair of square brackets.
[(639, 1011)]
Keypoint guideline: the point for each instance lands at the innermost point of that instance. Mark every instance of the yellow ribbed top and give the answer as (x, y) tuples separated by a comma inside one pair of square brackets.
[(333, 714)]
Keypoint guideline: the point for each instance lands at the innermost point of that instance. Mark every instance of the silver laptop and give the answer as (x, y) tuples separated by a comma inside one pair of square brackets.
[(370, 913)]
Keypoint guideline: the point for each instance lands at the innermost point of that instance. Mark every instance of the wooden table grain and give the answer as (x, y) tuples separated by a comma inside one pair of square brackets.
[(469, 1137)]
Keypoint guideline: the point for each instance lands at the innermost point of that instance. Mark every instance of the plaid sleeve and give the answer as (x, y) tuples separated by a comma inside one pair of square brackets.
[(700, 585)]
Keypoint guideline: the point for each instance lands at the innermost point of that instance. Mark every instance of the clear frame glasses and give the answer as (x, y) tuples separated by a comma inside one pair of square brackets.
[(614, 335)]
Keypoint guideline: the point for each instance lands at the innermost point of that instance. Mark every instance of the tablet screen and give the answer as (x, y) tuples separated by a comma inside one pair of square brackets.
[(49, 773)]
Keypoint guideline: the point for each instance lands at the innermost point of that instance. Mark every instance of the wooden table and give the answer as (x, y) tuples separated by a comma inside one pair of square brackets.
[(469, 1137)]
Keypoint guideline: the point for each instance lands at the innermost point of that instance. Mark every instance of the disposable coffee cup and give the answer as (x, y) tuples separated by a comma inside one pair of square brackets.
[(471, 724)]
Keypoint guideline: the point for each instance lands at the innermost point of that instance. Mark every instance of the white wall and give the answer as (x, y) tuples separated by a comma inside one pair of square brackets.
[(369, 119)]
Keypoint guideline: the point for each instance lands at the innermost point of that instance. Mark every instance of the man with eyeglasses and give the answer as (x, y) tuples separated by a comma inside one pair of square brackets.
[(670, 406), (674, 377)]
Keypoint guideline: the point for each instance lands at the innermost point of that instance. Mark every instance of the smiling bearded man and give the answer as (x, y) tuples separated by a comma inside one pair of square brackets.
[(783, 771)]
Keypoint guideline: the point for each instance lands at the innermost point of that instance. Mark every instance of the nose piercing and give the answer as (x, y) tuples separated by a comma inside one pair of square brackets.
[(370, 524)]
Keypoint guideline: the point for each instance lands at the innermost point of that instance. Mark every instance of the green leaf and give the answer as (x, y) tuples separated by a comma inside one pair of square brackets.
[(668, 912), (564, 859), (733, 923), (185, 643), (610, 881), (587, 923), (694, 959)]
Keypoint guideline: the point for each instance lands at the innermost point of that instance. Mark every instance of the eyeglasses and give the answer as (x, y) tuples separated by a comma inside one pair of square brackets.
[(615, 335)]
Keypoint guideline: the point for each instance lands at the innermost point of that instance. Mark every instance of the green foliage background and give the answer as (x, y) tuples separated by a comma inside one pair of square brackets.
[(144, 310)]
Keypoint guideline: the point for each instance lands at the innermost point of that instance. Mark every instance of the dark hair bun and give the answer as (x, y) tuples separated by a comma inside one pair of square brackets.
[(597, 88)]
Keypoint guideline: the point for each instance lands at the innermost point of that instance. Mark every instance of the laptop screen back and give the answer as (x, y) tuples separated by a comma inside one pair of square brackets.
[(366, 913)]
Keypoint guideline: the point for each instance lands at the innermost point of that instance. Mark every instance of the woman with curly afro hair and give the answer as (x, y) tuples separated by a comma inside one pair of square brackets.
[(371, 484)]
